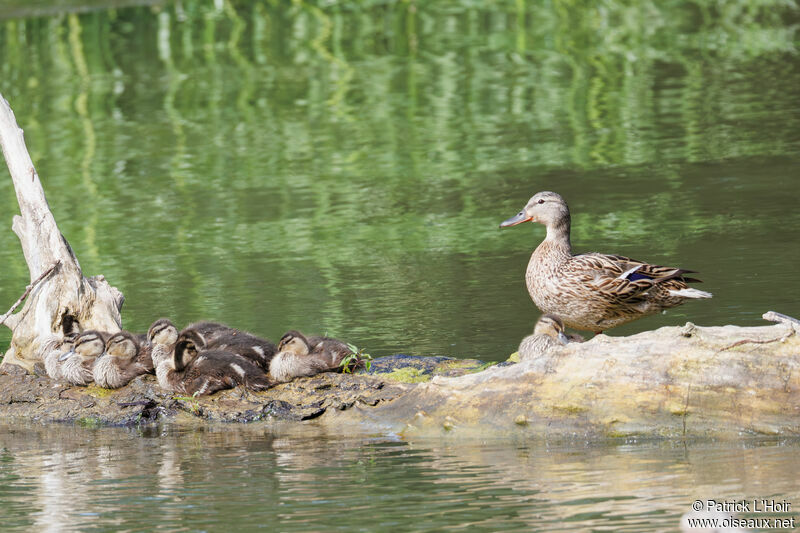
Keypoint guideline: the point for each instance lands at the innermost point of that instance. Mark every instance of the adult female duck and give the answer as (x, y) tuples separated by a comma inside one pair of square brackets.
[(594, 292)]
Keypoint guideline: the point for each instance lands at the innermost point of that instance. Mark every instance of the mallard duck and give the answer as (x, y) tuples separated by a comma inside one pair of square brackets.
[(594, 292), (194, 370), (121, 362), (547, 333), (219, 336), (161, 337), (77, 364), (300, 356)]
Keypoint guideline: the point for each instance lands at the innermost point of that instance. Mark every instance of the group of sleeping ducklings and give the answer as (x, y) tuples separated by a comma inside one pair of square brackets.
[(203, 358), (591, 292)]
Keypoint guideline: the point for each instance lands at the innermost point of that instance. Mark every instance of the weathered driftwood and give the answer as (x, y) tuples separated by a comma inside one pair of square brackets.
[(675, 382), (65, 296)]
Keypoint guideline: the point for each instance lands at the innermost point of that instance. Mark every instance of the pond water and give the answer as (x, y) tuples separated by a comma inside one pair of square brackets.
[(342, 168), (179, 480)]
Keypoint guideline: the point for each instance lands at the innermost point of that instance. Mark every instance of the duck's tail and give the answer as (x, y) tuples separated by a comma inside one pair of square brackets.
[(691, 293)]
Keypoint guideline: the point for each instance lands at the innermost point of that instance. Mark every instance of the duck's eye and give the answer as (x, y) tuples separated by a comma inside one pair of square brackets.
[(540, 201)]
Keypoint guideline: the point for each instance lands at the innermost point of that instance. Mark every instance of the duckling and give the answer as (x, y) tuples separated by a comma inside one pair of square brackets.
[(161, 337), (547, 334), (214, 335), (194, 370), (299, 356), (121, 361), (593, 291), (210, 331), (53, 349), (76, 367)]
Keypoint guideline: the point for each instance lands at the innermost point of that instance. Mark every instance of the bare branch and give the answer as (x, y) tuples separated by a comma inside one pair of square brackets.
[(774, 316), (28, 290)]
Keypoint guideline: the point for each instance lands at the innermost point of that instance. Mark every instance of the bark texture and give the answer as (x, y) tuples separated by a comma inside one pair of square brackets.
[(64, 299), (685, 381)]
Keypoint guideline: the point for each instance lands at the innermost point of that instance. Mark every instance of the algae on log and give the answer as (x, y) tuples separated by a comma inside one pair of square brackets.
[(65, 296)]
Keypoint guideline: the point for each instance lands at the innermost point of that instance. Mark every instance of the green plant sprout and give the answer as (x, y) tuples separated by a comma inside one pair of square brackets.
[(354, 359), (193, 403)]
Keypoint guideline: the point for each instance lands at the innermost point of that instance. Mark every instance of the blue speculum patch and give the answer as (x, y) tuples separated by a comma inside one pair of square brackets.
[(635, 276)]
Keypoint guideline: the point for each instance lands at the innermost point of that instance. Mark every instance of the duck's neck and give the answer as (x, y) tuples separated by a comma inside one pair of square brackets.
[(558, 235)]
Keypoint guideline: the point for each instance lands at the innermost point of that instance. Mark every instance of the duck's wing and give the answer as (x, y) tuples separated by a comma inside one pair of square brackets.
[(620, 279), (330, 352), (207, 381), (259, 351), (144, 358)]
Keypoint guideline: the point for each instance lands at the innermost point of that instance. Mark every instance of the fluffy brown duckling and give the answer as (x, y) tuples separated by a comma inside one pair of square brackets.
[(161, 337), (76, 364), (122, 361), (53, 349), (300, 356), (219, 336), (547, 334), (195, 370)]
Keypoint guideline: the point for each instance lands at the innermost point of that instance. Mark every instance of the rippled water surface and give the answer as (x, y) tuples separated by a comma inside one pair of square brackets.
[(66, 478), (342, 167)]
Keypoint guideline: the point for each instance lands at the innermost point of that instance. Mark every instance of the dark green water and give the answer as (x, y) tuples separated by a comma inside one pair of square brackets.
[(343, 168)]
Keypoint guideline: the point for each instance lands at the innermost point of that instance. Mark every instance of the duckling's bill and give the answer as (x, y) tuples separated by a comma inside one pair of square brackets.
[(66, 355)]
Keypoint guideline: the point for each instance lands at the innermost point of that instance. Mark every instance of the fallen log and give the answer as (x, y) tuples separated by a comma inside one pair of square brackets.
[(682, 382), (685, 381), (674, 382)]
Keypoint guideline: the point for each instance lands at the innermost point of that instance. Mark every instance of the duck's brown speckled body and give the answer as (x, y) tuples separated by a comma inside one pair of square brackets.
[(213, 335), (547, 334), (77, 364), (121, 362), (300, 356), (53, 348), (161, 338), (194, 370), (593, 291)]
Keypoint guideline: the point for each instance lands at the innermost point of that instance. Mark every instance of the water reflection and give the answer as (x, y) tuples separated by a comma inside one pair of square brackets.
[(342, 169), (298, 479)]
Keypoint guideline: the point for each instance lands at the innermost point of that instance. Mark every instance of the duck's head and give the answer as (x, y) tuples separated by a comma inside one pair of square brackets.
[(68, 342), (544, 207), (552, 326), (294, 342), (187, 346), (123, 346), (88, 345), (163, 331)]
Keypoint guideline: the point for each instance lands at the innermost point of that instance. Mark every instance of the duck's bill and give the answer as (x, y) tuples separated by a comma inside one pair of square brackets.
[(66, 355), (562, 337), (519, 218)]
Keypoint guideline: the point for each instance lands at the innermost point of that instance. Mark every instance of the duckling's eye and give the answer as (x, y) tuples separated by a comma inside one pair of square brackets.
[(540, 201)]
